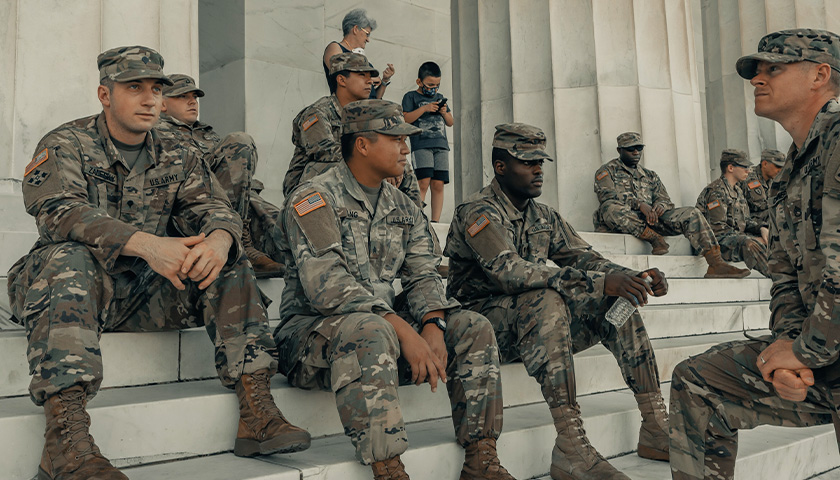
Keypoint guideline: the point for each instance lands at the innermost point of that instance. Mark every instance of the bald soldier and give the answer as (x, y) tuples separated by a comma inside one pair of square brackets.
[(788, 378), (757, 184), (498, 246), (233, 160), (316, 130), (740, 235), (348, 236), (135, 235), (633, 200)]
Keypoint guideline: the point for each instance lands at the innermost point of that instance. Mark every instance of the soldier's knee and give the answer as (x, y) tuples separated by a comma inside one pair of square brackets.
[(682, 372), (470, 324), (617, 215), (371, 329), (71, 256), (240, 138)]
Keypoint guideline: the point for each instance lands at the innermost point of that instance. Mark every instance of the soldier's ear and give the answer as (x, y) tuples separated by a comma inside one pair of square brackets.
[(163, 104), (104, 96), (499, 167)]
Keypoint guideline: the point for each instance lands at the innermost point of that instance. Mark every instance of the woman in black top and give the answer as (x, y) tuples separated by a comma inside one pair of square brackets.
[(356, 27)]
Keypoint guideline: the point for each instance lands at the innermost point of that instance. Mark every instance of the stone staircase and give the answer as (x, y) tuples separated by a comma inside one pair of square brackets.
[(163, 415)]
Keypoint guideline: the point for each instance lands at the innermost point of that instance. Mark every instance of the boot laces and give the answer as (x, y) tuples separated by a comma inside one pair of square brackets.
[(75, 421), (588, 451), (261, 393)]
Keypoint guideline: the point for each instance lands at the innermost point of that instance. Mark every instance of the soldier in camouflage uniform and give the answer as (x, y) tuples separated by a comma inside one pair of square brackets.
[(790, 377), (633, 200), (316, 130), (135, 234), (757, 184), (348, 235), (498, 245), (233, 160), (740, 235)]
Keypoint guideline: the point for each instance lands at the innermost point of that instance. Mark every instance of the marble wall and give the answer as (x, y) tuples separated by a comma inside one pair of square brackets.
[(48, 53), (280, 63)]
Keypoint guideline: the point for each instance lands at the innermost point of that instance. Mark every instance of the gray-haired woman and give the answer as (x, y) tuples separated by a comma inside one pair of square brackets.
[(356, 28)]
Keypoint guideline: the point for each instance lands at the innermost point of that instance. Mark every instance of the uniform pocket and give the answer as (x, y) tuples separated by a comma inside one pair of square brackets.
[(344, 370)]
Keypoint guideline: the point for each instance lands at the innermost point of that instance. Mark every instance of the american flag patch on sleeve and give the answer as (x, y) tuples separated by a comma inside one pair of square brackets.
[(478, 225), (713, 205), (309, 204), (754, 184)]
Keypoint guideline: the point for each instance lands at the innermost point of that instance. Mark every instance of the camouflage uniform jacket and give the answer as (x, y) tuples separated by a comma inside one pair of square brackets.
[(725, 207), (804, 243), (80, 189), (616, 183), (316, 135), (201, 135), (494, 249), (755, 190), (343, 254)]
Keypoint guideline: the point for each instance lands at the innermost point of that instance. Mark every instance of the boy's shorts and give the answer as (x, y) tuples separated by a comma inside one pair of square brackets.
[(431, 163)]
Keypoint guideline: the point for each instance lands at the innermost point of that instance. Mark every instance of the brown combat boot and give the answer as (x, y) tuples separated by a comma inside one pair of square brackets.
[(391, 469), (482, 462), (263, 430), (653, 435), (720, 269), (69, 451), (573, 458), (657, 241), (264, 266)]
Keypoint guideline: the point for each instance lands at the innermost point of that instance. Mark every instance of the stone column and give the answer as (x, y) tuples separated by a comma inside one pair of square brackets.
[(584, 71), (49, 59)]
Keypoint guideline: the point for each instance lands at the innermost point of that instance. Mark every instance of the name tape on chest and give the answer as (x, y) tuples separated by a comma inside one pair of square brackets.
[(309, 122), (478, 225), (37, 161), (754, 184), (400, 220), (602, 175), (541, 227), (101, 174), (309, 204), (713, 205), (165, 179)]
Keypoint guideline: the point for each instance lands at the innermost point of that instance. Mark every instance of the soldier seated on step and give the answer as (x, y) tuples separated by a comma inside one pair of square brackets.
[(789, 378), (348, 234), (233, 160), (499, 242), (634, 201), (135, 235), (722, 202), (757, 184)]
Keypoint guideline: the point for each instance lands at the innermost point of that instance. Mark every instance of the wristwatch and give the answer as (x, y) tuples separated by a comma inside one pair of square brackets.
[(438, 321)]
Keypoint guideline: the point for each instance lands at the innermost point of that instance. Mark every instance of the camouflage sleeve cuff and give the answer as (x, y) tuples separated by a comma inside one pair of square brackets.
[(810, 358), (118, 235), (598, 281)]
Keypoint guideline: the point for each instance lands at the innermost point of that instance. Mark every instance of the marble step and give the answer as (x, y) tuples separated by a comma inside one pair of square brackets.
[(177, 420), (225, 466), (674, 266)]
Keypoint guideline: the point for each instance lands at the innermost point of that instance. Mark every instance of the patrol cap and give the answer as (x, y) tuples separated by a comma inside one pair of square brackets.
[(124, 64), (181, 84), (352, 62), (629, 139), (731, 156), (775, 157), (789, 46), (380, 116), (522, 141)]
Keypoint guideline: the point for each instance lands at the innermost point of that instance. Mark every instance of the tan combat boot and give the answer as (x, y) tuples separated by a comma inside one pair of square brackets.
[(69, 450), (573, 458), (264, 266), (653, 435), (482, 462), (720, 269), (391, 469), (263, 430), (657, 241)]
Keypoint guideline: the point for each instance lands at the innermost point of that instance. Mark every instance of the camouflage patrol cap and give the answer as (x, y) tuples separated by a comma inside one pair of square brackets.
[(380, 116), (775, 157), (181, 84), (731, 156), (629, 139), (124, 64), (352, 62), (789, 46), (522, 141)]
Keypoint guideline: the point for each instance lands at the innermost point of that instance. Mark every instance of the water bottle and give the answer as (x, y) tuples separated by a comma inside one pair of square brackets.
[(622, 309)]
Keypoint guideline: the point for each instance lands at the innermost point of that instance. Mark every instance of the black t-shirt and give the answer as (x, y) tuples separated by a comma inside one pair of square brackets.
[(434, 128)]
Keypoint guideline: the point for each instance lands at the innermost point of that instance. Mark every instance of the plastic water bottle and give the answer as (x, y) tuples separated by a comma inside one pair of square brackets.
[(622, 309)]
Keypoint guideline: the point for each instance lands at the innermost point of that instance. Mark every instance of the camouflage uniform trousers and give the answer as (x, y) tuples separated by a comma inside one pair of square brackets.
[(687, 221), (234, 162), (356, 357), (263, 222), (65, 299), (718, 392), (544, 330), (735, 248)]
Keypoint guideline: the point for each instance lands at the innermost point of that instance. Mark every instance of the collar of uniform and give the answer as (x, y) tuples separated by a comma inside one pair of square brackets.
[(110, 149), (174, 121), (825, 119), (731, 190), (637, 171), (385, 203), (512, 212), (336, 104)]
